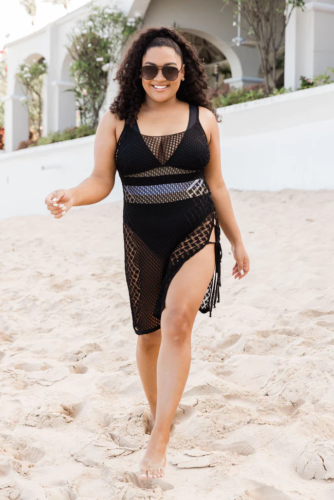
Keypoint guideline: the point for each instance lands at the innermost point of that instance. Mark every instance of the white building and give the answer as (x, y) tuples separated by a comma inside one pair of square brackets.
[(309, 51)]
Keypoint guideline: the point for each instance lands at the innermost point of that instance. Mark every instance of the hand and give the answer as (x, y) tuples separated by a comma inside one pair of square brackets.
[(59, 202), (242, 261)]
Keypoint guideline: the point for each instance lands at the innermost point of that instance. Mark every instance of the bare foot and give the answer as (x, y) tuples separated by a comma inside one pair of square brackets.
[(153, 463)]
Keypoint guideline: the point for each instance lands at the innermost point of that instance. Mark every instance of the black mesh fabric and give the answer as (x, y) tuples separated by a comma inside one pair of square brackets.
[(168, 215)]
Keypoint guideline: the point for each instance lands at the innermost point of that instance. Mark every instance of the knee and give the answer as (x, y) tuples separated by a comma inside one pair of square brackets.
[(150, 341), (177, 324)]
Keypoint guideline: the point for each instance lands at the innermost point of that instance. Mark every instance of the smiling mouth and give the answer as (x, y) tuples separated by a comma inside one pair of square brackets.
[(160, 87)]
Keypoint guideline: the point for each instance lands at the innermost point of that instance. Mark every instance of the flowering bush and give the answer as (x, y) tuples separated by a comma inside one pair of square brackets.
[(95, 47), (318, 80), (31, 77)]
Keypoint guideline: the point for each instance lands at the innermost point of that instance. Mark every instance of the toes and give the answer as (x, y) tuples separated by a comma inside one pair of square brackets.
[(142, 475), (153, 473)]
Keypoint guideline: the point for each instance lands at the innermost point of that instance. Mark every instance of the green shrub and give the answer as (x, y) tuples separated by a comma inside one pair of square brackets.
[(318, 80), (227, 97), (244, 94), (66, 135), (305, 83)]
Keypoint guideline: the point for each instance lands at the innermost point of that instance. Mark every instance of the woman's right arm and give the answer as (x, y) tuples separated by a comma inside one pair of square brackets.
[(99, 184)]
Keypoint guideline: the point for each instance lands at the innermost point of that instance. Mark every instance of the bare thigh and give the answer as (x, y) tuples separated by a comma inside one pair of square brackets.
[(187, 289)]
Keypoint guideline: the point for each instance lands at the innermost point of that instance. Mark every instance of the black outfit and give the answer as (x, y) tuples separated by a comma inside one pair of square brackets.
[(168, 215)]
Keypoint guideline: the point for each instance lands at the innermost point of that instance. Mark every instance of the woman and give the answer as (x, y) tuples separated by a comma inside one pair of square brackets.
[(161, 134)]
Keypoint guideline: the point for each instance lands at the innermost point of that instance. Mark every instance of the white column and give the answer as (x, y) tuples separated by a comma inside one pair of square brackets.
[(64, 105), (16, 122), (49, 91), (309, 42)]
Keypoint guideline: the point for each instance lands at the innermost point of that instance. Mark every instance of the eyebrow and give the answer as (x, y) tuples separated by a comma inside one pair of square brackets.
[(167, 64)]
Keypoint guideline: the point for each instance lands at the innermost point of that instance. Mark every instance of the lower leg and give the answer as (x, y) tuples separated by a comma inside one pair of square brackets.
[(183, 300), (173, 369), (148, 346), (172, 372)]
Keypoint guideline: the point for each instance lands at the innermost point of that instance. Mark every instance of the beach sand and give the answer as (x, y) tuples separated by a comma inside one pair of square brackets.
[(256, 420)]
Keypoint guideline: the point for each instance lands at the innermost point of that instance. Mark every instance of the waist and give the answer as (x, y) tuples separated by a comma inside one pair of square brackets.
[(166, 192)]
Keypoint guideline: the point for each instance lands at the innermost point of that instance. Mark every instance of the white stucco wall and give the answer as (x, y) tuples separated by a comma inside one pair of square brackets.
[(280, 142), (28, 176), (271, 144)]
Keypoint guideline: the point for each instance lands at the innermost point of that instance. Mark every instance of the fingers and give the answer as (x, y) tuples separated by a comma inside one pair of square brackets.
[(61, 211), (240, 270), (52, 197), (54, 204)]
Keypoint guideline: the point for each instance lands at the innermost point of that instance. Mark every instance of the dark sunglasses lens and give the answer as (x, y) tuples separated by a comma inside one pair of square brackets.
[(149, 72), (170, 73)]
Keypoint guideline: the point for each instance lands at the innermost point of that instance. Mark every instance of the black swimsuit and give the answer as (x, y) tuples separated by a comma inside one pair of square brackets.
[(168, 215)]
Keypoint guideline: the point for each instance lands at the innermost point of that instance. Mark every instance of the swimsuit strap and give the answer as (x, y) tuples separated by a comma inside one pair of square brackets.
[(193, 117)]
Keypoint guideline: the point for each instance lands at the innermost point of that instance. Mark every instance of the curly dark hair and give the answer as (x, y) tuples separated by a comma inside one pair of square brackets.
[(131, 95)]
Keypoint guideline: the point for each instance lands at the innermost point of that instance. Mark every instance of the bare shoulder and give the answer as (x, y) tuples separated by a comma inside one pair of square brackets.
[(208, 122), (111, 124)]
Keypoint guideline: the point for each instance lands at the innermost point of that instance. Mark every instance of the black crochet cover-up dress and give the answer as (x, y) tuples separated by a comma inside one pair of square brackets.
[(168, 215)]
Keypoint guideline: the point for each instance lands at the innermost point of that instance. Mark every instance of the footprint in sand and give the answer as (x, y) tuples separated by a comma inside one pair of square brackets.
[(229, 341), (127, 491), (82, 352), (313, 313), (87, 486), (58, 494), (241, 402), (29, 453), (52, 416), (32, 367), (60, 286), (194, 459), (267, 493), (241, 447), (48, 377), (78, 368), (201, 390)]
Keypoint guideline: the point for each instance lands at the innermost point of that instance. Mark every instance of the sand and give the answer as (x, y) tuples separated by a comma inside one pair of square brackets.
[(256, 418)]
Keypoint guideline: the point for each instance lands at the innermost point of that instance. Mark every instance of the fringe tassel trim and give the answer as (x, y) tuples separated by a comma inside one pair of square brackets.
[(216, 280)]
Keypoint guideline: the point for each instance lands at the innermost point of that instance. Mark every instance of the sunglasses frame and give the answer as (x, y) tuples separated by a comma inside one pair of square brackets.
[(162, 70)]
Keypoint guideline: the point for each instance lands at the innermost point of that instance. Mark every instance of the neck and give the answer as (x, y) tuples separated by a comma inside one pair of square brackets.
[(151, 105)]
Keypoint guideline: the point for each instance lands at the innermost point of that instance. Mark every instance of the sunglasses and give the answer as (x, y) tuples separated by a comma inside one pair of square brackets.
[(169, 72)]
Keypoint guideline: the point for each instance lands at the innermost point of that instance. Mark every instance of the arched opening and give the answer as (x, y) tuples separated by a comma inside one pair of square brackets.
[(215, 50), (20, 117), (66, 103), (23, 107), (30, 93), (211, 55)]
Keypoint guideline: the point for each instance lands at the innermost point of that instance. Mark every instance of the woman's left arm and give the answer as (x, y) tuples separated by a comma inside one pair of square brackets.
[(220, 195)]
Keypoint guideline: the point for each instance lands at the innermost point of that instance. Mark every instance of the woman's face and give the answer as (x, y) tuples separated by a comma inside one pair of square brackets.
[(162, 56)]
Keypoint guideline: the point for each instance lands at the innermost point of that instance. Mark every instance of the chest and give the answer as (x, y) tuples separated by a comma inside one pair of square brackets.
[(137, 153)]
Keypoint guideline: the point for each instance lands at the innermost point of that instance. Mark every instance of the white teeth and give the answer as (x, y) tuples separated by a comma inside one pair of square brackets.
[(160, 87)]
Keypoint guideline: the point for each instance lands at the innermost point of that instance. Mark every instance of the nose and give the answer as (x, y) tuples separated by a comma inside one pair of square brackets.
[(160, 77)]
